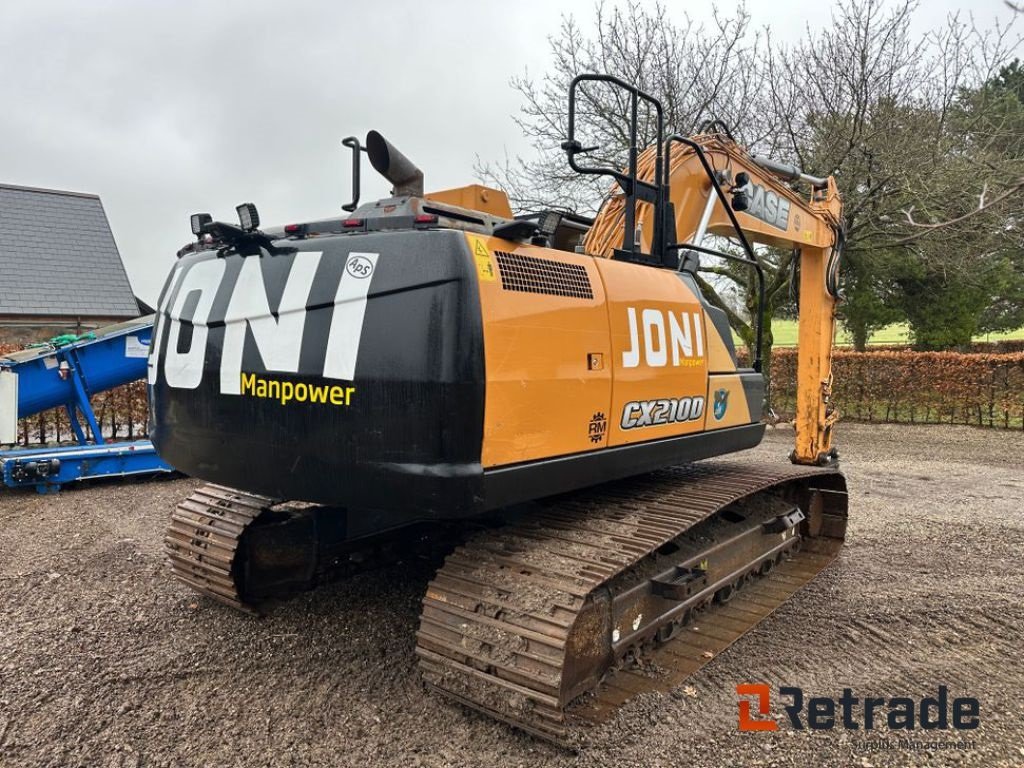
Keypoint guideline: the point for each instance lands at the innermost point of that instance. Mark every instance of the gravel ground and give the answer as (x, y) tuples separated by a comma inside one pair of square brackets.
[(106, 662)]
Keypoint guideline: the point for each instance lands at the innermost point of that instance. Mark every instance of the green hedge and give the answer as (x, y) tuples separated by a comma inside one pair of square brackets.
[(899, 385)]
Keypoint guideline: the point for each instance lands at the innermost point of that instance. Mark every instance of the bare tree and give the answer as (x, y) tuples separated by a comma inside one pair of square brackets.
[(698, 72), (907, 127), (920, 149)]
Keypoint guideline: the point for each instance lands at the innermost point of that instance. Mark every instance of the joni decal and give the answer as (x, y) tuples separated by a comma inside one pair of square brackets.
[(852, 713), (186, 310), (664, 338)]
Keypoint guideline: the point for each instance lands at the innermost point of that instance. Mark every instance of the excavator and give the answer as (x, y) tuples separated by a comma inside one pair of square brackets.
[(556, 388)]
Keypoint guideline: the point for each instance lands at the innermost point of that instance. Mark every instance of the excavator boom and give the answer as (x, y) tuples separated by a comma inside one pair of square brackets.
[(701, 175)]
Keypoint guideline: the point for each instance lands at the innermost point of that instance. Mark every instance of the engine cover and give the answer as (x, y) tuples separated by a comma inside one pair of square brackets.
[(343, 370)]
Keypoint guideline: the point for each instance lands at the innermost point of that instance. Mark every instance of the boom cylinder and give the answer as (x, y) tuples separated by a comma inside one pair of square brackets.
[(789, 172)]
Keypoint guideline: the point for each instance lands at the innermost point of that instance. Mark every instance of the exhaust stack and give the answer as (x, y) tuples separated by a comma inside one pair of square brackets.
[(394, 166)]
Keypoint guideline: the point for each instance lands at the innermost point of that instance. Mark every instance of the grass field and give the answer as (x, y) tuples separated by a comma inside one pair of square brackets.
[(785, 333)]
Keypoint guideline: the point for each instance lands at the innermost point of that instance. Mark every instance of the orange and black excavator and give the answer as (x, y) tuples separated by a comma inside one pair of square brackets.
[(550, 386)]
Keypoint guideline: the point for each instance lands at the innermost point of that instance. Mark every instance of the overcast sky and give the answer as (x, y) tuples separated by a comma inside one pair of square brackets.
[(167, 108)]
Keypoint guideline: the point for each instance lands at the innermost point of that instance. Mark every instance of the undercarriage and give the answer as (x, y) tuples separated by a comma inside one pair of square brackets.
[(542, 621)]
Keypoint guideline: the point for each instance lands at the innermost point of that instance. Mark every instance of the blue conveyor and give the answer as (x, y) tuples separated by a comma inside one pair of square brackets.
[(66, 374)]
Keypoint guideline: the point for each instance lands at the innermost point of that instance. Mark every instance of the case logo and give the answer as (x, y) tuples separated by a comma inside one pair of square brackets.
[(769, 207)]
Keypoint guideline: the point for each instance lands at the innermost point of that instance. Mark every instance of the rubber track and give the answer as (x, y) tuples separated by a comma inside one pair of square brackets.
[(202, 540), (497, 615)]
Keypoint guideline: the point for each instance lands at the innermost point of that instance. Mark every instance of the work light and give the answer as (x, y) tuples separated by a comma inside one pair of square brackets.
[(248, 216), (548, 222), (199, 220)]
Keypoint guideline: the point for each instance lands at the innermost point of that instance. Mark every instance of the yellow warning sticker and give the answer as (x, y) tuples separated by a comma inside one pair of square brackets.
[(482, 256)]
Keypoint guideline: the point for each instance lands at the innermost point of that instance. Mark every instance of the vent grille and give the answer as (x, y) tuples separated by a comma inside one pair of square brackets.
[(532, 275)]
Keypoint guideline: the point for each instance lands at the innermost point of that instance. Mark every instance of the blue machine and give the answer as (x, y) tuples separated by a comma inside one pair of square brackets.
[(56, 375)]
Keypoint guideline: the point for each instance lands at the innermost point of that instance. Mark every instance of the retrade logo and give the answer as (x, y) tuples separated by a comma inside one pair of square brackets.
[(762, 696), (817, 713)]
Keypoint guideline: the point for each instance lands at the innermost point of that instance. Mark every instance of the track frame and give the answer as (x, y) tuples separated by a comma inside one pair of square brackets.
[(528, 622)]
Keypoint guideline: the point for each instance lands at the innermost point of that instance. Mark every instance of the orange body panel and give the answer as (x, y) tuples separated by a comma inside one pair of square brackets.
[(542, 393), (573, 373), (475, 197), (720, 359), (726, 397)]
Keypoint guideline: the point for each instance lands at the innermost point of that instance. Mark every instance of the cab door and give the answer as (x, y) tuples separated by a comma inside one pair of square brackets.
[(658, 353)]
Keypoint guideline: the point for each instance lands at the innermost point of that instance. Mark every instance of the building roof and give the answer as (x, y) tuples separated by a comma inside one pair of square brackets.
[(58, 256)]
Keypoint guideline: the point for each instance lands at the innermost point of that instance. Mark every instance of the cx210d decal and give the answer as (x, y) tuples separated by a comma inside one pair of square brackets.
[(190, 298), (651, 413)]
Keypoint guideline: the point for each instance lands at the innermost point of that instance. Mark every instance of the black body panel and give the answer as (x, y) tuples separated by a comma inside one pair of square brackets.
[(415, 420), (523, 482), (753, 389)]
